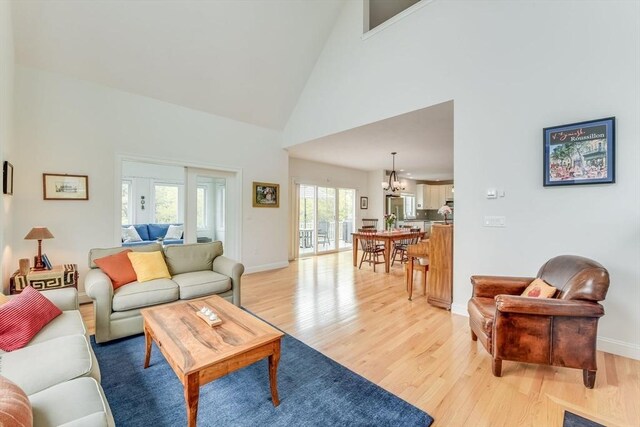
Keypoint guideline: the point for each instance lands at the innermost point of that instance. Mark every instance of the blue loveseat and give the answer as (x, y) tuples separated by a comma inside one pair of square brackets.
[(150, 233)]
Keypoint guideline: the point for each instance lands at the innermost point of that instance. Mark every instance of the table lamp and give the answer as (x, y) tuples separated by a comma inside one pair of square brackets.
[(39, 233)]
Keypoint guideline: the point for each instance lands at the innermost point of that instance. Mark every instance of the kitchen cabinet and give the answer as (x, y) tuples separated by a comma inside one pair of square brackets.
[(448, 192), (432, 196), (421, 193)]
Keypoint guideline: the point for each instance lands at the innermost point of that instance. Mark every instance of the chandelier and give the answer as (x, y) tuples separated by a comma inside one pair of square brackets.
[(394, 185)]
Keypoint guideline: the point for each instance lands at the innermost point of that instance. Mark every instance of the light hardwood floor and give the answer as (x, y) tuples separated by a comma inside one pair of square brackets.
[(424, 354)]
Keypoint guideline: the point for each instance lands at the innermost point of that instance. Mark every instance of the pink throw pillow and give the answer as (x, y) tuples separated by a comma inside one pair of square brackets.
[(23, 317)]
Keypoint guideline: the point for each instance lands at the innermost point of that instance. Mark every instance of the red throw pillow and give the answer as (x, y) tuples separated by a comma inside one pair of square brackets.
[(118, 267), (23, 317)]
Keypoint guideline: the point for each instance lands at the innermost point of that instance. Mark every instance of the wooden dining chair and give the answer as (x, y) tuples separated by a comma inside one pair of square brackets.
[(370, 223), (400, 247), (371, 250)]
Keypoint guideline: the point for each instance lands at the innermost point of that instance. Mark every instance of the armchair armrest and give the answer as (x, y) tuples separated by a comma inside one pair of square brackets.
[(490, 286), (548, 306), (234, 270), (64, 299)]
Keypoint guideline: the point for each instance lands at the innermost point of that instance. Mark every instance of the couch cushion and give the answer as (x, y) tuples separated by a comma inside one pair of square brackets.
[(15, 408), (482, 311), (103, 252), (40, 366), (80, 402), (149, 266), (143, 231), (118, 267), (193, 257), (201, 283), (23, 317), (157, 230), (137, 295), (68, 323)]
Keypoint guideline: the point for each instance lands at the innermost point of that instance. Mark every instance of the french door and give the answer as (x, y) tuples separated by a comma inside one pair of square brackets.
[(326, 217)]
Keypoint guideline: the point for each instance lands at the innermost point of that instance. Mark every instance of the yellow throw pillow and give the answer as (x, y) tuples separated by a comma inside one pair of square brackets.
[(3, 299), (539, 289), (149, 265)]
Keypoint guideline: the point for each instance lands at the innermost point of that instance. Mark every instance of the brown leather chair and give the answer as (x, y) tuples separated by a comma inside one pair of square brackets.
[(558, 331)]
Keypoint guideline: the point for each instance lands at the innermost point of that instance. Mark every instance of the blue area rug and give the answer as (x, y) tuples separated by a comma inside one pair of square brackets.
[(314, 390), (573, 420)]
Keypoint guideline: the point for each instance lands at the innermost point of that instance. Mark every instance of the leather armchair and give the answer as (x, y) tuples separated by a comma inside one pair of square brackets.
[(558, 331)]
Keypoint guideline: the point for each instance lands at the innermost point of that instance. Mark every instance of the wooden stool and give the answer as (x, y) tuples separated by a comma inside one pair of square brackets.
[(419, 250)]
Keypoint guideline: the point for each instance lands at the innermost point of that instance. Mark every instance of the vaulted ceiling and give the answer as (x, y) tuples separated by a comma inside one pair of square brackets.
[(245, 60)]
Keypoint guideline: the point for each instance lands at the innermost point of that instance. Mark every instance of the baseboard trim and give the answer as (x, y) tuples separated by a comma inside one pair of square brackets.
[(621, 348), (266, 267), (459, 309)]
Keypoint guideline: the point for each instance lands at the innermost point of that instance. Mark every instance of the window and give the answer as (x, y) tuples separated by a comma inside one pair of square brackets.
[(221, 200), (201, 207), (166, 204), (409, 206), (127, 203), (379, 11)]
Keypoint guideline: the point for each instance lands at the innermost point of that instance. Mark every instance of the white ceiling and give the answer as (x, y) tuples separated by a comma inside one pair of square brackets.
[(422, 138), (246, 60)]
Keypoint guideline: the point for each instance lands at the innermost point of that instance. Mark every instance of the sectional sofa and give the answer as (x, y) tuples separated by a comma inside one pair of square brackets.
[(58, 370)]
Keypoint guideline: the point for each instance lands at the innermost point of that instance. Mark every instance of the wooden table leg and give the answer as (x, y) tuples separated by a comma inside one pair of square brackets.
[(355, 251), (147, 343), (273, 373), (191, 397), (410, 278), (387, 254)]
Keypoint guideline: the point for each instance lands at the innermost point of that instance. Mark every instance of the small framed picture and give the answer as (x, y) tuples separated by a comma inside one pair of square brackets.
[(364, 203), (7, 178), (266, 195), (65, 187), (580, 153)]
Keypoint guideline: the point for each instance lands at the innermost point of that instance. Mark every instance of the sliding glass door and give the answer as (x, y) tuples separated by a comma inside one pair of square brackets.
[(326, 217)]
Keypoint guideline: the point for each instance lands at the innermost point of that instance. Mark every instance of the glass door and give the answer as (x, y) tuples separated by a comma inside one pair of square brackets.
[(326, 219), (346, 216), (326, 236)]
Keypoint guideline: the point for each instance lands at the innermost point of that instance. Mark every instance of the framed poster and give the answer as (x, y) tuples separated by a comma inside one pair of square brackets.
[(580, 153), (266, 195), (65, 187), (7, 178), (364, 203)]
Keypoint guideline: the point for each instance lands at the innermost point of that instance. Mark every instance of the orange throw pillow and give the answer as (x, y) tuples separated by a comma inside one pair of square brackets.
[(15, 408), (539, 289), (118, 267)]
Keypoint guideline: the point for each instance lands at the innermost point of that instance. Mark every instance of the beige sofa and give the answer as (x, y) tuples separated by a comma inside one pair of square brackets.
[(58, 370), (197, 270)]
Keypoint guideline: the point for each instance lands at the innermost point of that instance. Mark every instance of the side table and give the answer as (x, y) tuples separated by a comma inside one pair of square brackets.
[(60, 276)]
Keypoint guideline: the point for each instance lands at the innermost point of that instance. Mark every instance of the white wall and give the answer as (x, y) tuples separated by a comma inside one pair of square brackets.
[(65, 125), (512, 68), (6, 136)]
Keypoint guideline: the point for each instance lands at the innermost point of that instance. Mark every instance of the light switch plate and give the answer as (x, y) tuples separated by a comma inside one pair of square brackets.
[(495, 221)]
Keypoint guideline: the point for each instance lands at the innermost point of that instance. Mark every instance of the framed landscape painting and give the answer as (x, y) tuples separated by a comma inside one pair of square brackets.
[(65, 187), (580, 153), (266, 195)]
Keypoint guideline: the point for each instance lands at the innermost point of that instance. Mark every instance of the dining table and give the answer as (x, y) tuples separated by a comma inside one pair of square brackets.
[(388, 237)]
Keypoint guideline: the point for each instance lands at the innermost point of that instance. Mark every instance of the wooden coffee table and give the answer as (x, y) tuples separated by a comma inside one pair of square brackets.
[(200, 354)]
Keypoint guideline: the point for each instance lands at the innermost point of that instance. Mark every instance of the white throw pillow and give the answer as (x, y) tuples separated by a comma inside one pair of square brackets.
[(124, 234), (131, 234), (174, 232)]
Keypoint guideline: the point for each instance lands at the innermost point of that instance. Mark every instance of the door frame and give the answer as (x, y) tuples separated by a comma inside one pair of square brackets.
[(234, 194), (295, 213)]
